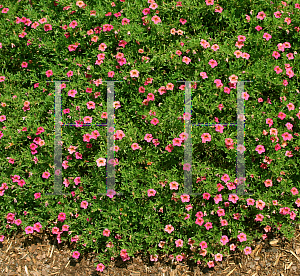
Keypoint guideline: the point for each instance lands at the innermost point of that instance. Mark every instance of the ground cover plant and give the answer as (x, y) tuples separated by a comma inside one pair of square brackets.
[(150, 46)]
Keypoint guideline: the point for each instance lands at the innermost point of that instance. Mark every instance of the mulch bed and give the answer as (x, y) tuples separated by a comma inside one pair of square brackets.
[(40, 254)]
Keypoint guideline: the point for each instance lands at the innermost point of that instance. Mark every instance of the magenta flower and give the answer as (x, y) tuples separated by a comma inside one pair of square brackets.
[(49, 73), (46, 175), (76, 254), (100, 267), (29, 230)]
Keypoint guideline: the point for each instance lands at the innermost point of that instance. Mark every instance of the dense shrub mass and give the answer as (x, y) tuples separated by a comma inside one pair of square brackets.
[(149, 47)]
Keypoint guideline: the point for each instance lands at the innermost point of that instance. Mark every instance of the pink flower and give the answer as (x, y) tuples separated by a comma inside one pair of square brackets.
[(174, 185), (84, 204), (148, 137), (210, 263), (87, 120), (209, 2), (206, 137), (77, 180), (187, 167), (224, 239), (247, 250), (37, 195), (219, 128), (55, 230), (213, 63), (18, 222), (233, 198), (203, 244), (208, 225), (24, 64), (206, 196), (101, 162), (267, 36), (260, 204), (242, 237), (169, 228), (80, 4), (225, 178), (203, 75), (182, 21), (49, 73), (100, 267), (179, 258), (47, 27), (76, 254), (70, 74), (268, 183), (46, 175), (261, 15), (179, 243), (111, 74), (106, 232), (29, 230), (65, 228), (135, 146), (61, 217), (186, 60), (154, 121), (219, 257), (153, 258), (260, 149), (156, 19), (290, 106), (73, 24), (185, 198), (72, 93), (151, 192), (215, 47), (134, 73), (294, 191)]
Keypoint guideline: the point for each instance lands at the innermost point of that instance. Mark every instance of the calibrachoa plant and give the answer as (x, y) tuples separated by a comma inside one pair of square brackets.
[(150, 46)]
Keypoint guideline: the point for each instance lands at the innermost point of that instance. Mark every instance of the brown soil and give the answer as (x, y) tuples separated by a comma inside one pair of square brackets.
[(40, 254)]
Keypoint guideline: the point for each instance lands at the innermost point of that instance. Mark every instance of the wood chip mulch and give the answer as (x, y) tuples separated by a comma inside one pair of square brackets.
[(40, 254)]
